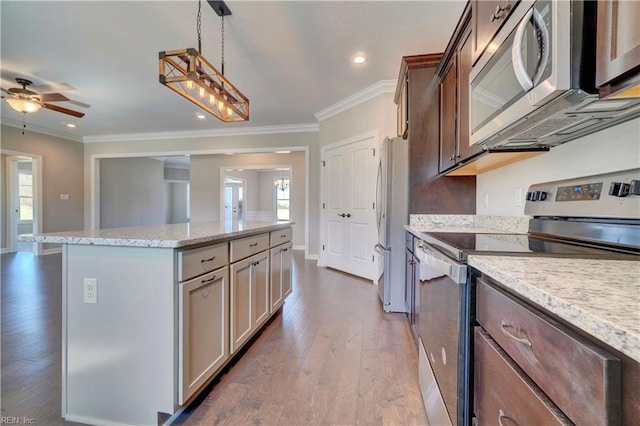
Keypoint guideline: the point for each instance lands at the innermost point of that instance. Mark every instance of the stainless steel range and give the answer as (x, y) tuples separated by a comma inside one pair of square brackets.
[(589, 217)]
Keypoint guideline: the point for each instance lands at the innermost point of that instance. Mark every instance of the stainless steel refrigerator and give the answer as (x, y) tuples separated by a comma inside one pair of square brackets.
[(392, 210)]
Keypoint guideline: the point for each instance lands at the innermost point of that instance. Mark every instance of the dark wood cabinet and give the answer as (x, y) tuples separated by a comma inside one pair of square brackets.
[(454, 106), (429, 191), (488, 17), (589, 381), (618, 47)]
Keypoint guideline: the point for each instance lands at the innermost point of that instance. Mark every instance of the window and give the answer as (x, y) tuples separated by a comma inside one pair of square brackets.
[(25, 195), (283, 198)]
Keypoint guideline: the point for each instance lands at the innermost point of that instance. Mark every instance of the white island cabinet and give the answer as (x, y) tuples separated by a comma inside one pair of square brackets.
[(148, 314)]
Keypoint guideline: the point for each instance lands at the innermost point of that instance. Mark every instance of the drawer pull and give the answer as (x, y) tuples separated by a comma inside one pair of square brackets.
[(253, 245), (522, 340), (213, 278), (283, 236), (211, 259), (502, 416)]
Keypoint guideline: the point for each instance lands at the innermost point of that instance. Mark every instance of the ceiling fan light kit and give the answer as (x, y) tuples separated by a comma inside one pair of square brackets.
[(190, 75), (23, 105), (27, 101)]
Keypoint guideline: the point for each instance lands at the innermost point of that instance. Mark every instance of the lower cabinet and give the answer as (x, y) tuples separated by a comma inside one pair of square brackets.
[(204, 330), (530, 369), (250, 297), (280, 275)]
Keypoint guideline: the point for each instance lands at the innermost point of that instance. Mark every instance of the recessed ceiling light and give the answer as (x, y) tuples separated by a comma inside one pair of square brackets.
[(200, 116), (71, 125), (283, 152), (359, 59)]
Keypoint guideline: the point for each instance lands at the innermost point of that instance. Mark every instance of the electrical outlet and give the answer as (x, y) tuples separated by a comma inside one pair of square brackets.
[(517, 197), (90, 290)]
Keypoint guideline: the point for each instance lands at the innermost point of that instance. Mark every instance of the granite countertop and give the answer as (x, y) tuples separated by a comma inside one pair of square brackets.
[(468, 223), (159, 236), (600, 297)]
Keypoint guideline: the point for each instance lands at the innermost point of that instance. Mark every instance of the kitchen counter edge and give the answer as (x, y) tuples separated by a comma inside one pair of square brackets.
[(159, 236), (599, 297)]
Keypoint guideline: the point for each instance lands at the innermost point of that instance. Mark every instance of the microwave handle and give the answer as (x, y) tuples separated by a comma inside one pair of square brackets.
[(519, 68)]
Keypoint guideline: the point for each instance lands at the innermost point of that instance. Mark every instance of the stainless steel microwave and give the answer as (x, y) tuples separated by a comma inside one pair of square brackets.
[(534, 85)]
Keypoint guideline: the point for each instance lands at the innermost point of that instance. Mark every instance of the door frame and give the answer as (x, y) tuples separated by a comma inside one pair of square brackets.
[(375, 134), (36, 169), (223, 174)]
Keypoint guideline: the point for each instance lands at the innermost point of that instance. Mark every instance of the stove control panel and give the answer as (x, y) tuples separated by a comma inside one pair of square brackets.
[(608, 195), (583, 191)]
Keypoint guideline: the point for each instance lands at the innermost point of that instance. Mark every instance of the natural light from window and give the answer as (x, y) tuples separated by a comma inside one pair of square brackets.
[(25, 195), (283, 198)]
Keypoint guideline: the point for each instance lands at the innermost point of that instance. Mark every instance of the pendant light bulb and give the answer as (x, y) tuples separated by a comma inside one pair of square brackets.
[(189, 85)]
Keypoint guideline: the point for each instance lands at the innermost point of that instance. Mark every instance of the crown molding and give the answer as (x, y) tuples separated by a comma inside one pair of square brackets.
[(195, 134), (375, 90), (42, 130)]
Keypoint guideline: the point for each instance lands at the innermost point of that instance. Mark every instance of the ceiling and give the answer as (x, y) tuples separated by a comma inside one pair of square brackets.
[(292, 59)]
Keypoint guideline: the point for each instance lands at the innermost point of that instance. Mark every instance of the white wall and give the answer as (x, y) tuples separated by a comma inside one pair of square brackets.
[(612, 149), (205, 185), (131, 192), (208, 145)]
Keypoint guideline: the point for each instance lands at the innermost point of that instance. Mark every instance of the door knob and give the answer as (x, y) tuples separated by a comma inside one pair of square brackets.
[(348, 214), (341, 214)]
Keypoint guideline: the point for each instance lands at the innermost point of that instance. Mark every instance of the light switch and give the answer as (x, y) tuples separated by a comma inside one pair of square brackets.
[(64, 197)]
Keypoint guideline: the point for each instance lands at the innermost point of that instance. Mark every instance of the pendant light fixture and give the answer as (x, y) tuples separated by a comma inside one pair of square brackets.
[(190, 75), (282, 184)]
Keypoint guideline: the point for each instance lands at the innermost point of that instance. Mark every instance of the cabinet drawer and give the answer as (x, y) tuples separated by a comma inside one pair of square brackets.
[(194, 262), (503, 394), (280, 236), (580, 378), (245, 247)]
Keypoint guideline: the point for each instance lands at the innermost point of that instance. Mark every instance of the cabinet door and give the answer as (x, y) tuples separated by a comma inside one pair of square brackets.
[(488, 16), (203, 334), (618, 33), (287, 286), (260, 288), (276, 278), (241, 318), (448, 93), (464, 151)]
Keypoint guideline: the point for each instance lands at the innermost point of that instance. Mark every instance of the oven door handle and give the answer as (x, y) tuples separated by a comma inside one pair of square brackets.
[(441, 263)]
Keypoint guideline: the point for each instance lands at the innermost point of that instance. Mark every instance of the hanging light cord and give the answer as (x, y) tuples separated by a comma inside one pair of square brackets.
[(199, 26), (222, 45)]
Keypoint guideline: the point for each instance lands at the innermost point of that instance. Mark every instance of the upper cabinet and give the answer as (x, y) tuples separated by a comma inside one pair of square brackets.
[(618, 48), (488, 17), (409, 96), (454, 98)]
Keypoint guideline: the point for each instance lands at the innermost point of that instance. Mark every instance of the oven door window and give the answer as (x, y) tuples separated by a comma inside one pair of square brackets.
[(517, 66)]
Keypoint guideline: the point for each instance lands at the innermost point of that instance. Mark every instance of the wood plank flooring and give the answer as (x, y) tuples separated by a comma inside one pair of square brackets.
[(331, 356)]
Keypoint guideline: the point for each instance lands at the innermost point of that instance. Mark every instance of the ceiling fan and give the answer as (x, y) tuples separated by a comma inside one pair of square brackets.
[(27, 101)]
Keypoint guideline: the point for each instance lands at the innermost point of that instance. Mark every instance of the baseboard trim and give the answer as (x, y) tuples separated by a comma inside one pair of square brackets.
[(312, 257), (51, 251), (298, 247)]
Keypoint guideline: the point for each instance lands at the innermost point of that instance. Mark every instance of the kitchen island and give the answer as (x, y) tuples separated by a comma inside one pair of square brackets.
[(152, 314)]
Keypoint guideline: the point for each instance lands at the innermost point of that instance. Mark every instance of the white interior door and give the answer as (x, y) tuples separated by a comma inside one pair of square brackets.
[(234, 191), (349, 218)]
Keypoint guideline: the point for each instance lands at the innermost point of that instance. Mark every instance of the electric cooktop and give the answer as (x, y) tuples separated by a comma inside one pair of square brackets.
[(459, 245)]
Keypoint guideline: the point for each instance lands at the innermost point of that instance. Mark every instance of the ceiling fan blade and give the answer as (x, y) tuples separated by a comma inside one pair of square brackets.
[(53, 97), (4, 90), (54, 87), (62, 110), (78, 103)]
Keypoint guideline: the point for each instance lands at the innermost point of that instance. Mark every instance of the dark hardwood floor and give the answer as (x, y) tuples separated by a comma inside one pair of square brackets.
[(331, 356)]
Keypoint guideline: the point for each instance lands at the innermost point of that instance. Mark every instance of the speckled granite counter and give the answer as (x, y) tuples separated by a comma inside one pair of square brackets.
[(160, 236), (468, 223), (600, 297)]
